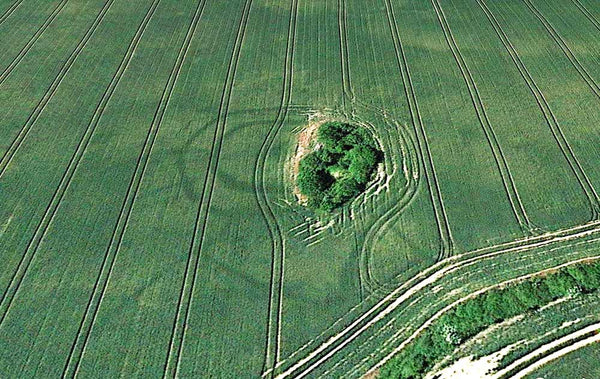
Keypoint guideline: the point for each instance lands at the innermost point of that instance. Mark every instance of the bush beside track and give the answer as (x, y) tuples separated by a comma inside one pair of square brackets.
[(474, 315)]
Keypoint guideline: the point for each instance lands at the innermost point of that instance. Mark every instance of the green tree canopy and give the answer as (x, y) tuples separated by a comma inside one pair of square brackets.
[(340, 168)]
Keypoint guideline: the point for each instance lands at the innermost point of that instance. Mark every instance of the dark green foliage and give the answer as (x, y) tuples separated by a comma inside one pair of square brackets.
[(474, 315), (340, 168)]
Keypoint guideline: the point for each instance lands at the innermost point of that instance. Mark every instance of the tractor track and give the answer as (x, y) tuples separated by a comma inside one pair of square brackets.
[(367, 281), (39, 108), (273, 338), (550, 352), (316, 356), (548, 114), (435, 193), (100, 286), (587, 14), (507, 180), (36, 36), (173, 359), (585, 75), (10, 11), (469, 296), (50, 211), (461, 261)]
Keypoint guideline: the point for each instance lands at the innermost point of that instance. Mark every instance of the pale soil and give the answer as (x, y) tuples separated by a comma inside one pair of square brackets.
[(431, 275), (468, 368), (371, 375), (304, 146)]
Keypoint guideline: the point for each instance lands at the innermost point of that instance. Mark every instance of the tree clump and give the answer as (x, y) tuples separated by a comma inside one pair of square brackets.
[(479, 313), (344, 161)]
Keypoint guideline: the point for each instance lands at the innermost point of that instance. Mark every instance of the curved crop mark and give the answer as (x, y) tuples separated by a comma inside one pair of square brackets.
[(49, 213), (10, 11), (551, 120), (173, 359), (16, 60), (35, 114), (511, 190), (278, 246), (79, 345)]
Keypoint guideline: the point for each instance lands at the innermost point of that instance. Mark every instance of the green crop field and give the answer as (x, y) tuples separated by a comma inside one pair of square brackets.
[(150, 220), (582, 363)]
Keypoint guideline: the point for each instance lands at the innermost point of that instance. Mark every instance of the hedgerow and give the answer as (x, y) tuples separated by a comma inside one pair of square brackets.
[(474, 315)]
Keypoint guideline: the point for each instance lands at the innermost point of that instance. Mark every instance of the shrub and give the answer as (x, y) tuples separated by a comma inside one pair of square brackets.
[(474, 315), (340, 169)]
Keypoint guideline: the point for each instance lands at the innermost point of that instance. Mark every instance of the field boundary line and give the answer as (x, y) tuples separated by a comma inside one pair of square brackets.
[(459, 260), (402, 293), (394, 337), (36, 36), (507, 180), (548, 114), (10, 11), (388, 324), (472, 295), (34, 242), (39, 108), (100, 287), (274, 313), (181, 322), (585, 75), (556, 349)]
